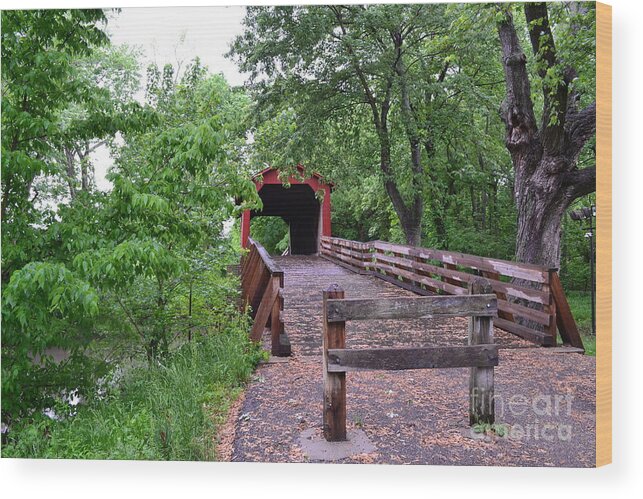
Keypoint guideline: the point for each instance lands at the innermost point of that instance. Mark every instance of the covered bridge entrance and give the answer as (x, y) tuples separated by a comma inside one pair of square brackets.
[(304, 205)]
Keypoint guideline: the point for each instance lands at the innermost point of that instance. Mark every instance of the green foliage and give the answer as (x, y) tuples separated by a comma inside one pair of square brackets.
[(167, 412), (38, 51), (575, 249), (498, 429), (580, 303), (272, 233), (44, 307), (135, 277), (118, 275)]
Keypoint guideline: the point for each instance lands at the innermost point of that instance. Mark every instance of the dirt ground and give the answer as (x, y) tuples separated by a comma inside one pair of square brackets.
[(545, 400)]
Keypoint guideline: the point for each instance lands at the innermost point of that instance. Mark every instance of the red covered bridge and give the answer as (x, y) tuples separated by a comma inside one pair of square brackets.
[(298, 204)]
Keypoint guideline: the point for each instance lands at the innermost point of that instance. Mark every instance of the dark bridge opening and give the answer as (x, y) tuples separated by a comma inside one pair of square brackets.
[(299, 208), (304, 206)]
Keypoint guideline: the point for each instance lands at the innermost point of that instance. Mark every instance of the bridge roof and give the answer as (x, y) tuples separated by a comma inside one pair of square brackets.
[(302, 170)]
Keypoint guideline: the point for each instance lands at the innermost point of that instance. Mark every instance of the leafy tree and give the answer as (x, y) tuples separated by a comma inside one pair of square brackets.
[(174, 186), (392, 65), (51, 106), (107, 275), (43, 303), (112, 74)]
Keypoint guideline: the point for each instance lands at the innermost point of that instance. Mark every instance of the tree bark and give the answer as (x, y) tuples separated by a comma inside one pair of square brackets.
[(545, 158), (70, 163)]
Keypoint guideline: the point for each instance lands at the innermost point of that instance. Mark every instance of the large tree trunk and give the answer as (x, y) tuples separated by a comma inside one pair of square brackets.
[(541, 206), (545, 158), (410, 216)]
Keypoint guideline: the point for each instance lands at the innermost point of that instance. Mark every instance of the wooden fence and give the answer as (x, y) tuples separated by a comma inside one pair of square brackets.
[(531, 300), (351, 254), (262, 286), (481, 354)]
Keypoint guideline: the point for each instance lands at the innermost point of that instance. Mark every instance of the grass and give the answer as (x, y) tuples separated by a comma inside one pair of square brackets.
[(166, 412), (581, 304)]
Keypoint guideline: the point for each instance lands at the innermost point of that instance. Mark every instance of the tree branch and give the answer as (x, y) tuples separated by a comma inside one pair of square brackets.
[(518, 108), (579, 128), (555, 93), (578, 183)]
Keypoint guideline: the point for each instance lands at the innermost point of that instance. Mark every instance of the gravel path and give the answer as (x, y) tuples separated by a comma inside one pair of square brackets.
[(544, 399)]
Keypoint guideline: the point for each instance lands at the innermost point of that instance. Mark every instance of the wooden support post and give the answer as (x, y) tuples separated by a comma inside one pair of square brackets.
[(265, 308), (334, 336), (550, 308), (481, 391), (564, 318), (276, 325)]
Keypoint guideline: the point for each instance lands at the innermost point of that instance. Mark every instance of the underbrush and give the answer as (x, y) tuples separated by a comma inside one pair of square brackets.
[(580, 303), (166, 412)]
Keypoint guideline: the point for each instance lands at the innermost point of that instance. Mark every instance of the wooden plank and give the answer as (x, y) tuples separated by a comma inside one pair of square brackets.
[(481, 378), (255, 273), (275, 322), (248, 270), (258, 287), (427, 281), (348, 266), (396, 359), (499, 287), (525, 332), (502, 296), (511, 309), (265, 256), (551, 310), (357, 255), (265, 307), (564, 318), (411, 308), (333, 337), (419, 269), (504, 267), (403, 285), (537, 337), (448, 278)]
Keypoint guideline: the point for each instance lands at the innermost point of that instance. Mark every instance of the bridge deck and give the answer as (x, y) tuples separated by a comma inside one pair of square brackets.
[(307, 276), (418, 417)]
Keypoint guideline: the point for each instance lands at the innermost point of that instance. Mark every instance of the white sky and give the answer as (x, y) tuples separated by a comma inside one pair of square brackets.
[(174, 35), (178, 34)]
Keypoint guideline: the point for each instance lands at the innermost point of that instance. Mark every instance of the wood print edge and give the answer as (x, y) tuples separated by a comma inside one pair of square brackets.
[(604, 234)]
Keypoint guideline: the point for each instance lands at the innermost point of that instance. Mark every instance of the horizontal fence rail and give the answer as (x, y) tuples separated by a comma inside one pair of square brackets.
[(531, 301), (262, 286), (369, 359), (480, 355), (410, 308)]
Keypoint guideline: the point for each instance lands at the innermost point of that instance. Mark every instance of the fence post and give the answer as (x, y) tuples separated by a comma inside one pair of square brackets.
[(481, 391), (334, 336)]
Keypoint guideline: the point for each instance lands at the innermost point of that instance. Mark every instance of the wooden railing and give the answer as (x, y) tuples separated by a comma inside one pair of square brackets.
[(481, 354), (531, 300), (262, 286), (352, 254)]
